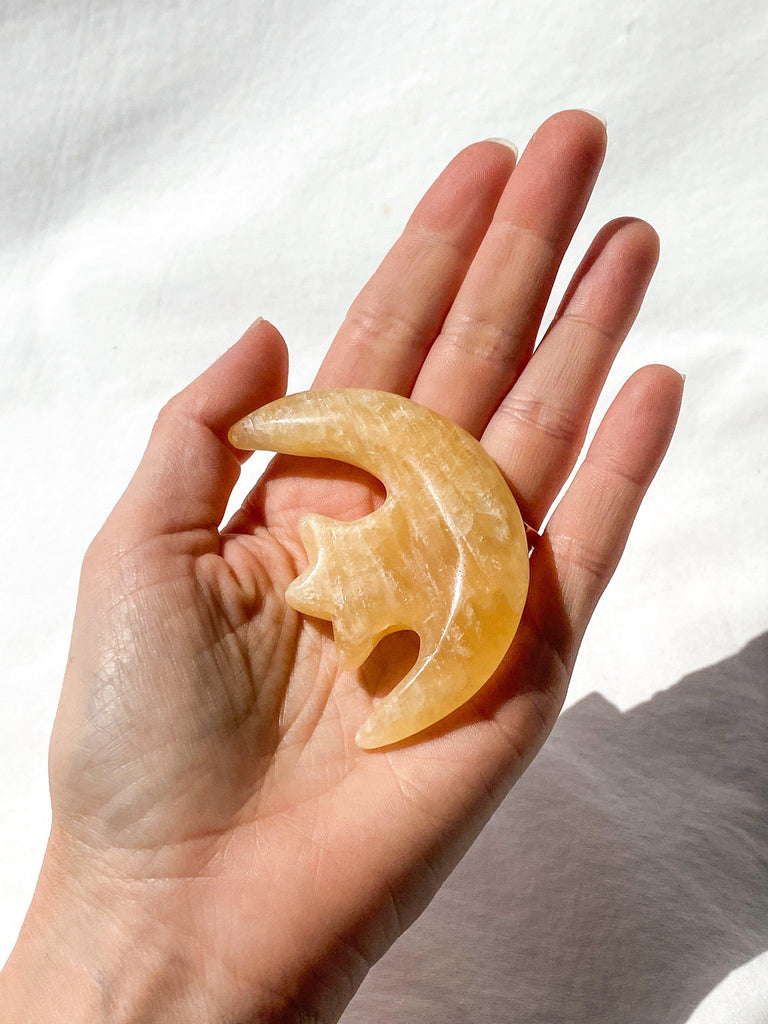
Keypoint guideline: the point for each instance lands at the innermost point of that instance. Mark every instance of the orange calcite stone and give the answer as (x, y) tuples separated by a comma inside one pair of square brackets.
[(445, 554)]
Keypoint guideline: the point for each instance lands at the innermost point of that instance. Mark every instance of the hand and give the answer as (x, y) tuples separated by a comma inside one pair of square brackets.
[(221, 850)]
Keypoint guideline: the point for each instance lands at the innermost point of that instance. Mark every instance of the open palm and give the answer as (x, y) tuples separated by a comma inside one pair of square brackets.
[(204, 774)]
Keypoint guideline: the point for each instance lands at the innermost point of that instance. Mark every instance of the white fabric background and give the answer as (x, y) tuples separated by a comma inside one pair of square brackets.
[(171, 170)]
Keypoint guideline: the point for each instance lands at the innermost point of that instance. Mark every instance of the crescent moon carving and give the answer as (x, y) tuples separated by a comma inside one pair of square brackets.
[(445, 555)]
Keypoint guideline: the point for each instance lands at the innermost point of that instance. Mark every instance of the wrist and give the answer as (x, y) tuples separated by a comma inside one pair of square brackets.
[(90, 954)]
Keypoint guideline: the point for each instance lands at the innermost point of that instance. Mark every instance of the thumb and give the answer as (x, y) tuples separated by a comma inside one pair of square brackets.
[(189, 468)]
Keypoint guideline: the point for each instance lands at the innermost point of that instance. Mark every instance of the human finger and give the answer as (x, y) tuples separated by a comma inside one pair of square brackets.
[(189, 468), (587, 532), (397, 315), (538, 430), (491, 327)]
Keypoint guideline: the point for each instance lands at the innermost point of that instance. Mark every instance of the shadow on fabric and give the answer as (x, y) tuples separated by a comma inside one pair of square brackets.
[(621, 880)]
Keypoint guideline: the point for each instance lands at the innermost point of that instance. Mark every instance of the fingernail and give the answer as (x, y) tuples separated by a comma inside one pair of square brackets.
[(255, 323), (504, 142), (593, 113)]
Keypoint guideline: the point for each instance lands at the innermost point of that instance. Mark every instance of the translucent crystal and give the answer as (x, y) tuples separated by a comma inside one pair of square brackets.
[(445, 554)]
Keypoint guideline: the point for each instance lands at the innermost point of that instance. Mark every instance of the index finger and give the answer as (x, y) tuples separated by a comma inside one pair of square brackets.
[(399, 312)]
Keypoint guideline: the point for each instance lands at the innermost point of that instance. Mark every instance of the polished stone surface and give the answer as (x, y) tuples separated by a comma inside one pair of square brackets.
[(445, 555)]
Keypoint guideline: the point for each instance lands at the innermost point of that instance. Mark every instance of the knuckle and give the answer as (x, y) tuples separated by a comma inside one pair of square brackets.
[(468, 338), (436, 242), (370, 326), (554, 422), (170, 409), (590, 326), (584, 557)]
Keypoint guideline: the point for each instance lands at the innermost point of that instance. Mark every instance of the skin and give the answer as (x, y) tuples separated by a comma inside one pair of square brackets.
[(221, 850)]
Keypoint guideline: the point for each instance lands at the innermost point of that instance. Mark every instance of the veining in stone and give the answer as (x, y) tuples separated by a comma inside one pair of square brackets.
[(445, 555)]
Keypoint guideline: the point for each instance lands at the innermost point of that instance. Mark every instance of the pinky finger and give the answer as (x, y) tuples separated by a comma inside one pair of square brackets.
[(587, 532)]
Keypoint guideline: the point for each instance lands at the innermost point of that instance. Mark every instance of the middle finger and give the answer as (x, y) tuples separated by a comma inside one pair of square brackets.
[(491, 327)]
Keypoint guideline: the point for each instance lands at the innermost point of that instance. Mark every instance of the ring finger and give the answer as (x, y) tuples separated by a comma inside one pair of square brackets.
[(538, 430)]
